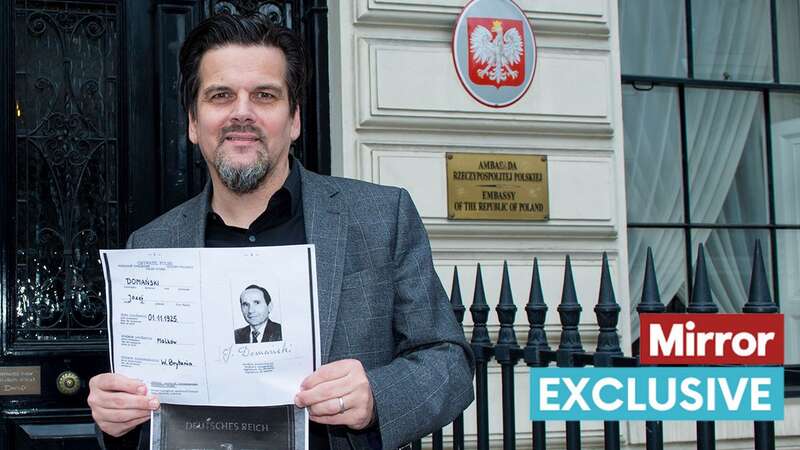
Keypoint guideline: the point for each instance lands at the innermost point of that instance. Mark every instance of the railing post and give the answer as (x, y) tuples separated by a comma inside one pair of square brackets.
[(507, 354), (651, 303), (759, 301), (437, 440), (569, 311), (537, 347), (482, 347), (702, 303), (458, 310), (607, 312)]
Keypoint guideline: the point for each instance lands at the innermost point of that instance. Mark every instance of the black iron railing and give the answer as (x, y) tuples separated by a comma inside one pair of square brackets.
[(570, 352)]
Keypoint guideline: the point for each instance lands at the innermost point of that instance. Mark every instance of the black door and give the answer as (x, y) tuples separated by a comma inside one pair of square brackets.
[(93, 146)]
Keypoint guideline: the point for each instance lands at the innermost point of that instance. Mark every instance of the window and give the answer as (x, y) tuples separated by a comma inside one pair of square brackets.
[(711, 106)]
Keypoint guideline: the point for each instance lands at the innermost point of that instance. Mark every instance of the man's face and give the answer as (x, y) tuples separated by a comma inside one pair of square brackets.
[(254, 308), (243, 124)]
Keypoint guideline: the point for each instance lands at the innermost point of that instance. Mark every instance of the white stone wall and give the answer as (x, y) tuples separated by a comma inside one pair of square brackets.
[(397, 108)]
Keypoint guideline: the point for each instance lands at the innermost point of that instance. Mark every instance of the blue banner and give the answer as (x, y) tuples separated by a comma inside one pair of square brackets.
[(657, 393)]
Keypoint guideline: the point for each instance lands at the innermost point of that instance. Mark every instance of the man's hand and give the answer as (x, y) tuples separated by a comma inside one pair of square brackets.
[(119, 403), (338, 394)]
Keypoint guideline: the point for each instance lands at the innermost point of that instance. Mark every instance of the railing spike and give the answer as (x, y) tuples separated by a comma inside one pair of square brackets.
[(537, 312), (507, 353), (479, 311), (569, 311), (455, 298), (606, 287), (651, 303), (506, 311), (759, 299), (483, 350), (651, 298), (701, 300), (536, 309), (568, 295), (607, 312)]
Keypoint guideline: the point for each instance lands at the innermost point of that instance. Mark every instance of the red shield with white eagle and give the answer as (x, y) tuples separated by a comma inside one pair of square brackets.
[(496, 51)]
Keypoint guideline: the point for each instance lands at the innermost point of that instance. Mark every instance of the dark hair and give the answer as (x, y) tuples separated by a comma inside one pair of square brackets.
[(267, 298), (248, 30)]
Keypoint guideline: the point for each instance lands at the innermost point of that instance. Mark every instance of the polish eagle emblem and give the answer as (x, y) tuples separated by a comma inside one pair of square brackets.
[(496, 52)]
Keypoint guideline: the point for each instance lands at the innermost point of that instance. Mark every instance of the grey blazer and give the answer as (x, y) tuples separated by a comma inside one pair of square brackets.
[(380, 301)]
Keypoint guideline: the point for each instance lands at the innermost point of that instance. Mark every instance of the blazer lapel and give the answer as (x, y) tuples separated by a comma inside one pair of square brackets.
[(326, 228), (190, 229)]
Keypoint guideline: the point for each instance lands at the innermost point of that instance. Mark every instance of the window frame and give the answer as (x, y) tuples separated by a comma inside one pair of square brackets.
[(646, 83)]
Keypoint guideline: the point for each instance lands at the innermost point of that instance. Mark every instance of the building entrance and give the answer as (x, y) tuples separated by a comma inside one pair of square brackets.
[(94, 146)]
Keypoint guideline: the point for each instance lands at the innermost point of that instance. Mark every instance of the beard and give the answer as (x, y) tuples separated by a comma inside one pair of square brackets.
[(242, 179)]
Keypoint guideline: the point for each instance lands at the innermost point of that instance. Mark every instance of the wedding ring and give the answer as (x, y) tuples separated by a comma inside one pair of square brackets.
[(341, 405)]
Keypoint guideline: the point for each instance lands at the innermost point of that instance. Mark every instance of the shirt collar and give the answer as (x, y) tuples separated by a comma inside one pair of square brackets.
[(260, 329)]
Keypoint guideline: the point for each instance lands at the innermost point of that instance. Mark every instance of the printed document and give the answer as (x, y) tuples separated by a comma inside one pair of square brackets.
[(217, 327)]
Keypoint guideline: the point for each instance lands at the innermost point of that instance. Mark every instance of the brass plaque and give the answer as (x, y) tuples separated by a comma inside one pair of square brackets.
[(21, 380), (492, 186)]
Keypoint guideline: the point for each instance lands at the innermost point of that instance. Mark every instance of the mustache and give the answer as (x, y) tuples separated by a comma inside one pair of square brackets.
[(241, 129)]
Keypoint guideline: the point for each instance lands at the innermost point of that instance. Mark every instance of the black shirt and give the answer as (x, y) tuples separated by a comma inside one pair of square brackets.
[(281, 223)]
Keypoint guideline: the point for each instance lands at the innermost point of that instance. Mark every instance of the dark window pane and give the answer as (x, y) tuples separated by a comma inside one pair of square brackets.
[(785, 118), (732, 40), (653, 37), (669, 255), (654, 187), (789, 282), (67, 196), (729, 259), (725, 136), (788, 19)]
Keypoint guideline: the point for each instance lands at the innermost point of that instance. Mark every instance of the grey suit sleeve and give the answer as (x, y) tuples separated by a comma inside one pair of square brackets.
[(130, 242), (429, 382)]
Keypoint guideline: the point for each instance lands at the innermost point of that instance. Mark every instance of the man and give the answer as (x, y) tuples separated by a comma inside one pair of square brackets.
[(395, 363), (256, 307)]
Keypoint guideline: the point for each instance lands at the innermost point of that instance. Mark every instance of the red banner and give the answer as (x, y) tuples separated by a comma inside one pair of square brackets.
[(747, 339)]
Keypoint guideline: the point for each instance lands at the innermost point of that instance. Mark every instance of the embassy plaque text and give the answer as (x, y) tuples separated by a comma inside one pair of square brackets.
[(20, 380), (491, 186)]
